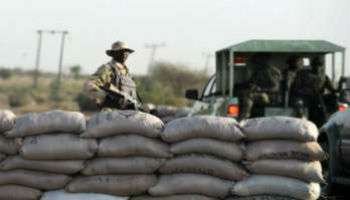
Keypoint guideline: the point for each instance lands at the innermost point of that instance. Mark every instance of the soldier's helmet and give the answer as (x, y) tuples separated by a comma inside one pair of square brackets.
[(118, 46)]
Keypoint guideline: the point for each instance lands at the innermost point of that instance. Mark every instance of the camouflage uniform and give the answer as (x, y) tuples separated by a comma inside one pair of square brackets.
[(309, 87), (264, 80), (111, 74)]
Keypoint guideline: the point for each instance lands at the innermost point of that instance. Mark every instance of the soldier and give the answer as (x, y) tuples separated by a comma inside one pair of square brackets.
[(111, 85), (295, 64), (309, 87), (265, 79)]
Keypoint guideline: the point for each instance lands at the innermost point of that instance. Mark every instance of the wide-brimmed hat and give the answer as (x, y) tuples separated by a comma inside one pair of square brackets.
[(118, 46)]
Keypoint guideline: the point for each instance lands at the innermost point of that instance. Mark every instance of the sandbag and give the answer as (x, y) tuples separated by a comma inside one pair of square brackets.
[(283, 149), (53, 166), (306, 171), (277, 185), (62, 195), (174, 197), (129, 165), (199, 164), (38, 180), (58, 147), (222, 128), (9, 146), (165, 111), (16, 192), (191, 184), (105, 124), (288, 128), (133, 145), (48, 122), (120, 185), (7, 120), (221, 149), (261, 197)]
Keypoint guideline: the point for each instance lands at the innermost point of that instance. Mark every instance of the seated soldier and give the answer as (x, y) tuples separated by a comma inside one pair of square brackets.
[(265, 79)]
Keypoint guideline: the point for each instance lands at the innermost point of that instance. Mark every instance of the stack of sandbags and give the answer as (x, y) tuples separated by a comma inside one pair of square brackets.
[(50, 151), (284, 157), (206, 165), (129, 152)]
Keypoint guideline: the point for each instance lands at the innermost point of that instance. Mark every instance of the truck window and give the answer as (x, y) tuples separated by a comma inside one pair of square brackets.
[(210, 88)]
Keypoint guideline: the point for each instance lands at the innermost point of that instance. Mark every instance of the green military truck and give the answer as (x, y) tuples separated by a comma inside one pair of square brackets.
[(234, 68)]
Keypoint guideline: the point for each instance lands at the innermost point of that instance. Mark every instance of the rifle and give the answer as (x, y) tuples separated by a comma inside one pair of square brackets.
[(114, 95)]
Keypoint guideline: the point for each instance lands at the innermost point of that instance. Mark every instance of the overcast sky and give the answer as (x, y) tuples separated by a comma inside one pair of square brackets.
[(188, 27)]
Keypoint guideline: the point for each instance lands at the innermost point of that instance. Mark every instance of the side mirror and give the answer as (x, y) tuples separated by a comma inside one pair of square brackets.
[(192, 94)]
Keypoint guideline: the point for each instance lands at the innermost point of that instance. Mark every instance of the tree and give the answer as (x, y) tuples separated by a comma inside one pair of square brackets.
[(5, 73), (75, 71)]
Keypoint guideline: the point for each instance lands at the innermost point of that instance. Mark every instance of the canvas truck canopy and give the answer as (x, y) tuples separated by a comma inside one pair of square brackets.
[(228, 59)]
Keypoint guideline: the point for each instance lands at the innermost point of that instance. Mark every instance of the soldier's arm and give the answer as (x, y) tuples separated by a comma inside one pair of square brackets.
[(101, 78), (329, 85)]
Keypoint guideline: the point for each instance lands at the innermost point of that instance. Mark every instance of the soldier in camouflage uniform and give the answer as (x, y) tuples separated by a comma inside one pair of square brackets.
[(309, 87), (265, 80), (111, 85)]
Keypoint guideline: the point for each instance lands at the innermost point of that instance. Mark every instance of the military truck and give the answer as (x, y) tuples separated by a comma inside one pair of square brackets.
[(234, 67)]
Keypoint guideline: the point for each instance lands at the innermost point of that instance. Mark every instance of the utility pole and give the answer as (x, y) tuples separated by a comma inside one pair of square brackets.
[(37, 61), (153, 47), (207, 57), (60, 62)]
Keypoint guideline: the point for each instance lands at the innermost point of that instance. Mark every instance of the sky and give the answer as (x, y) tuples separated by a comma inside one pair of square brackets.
[(189, 28)]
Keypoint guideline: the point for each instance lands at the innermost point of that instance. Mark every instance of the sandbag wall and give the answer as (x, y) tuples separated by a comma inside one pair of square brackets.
[(121, 154), (49, 151), (205, 165), (129, 153), (283, 156)]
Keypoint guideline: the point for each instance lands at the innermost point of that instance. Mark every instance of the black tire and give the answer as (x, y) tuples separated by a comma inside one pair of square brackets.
[(327, 185)]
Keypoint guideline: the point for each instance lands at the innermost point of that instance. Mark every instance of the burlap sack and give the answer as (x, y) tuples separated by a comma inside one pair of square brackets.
[(133, 145), (58, 147), (130, 165), (16, 192), (38, 180), (9, 146), (191, 184), (7, 120), (123, 121), (199, 164), (165, 111), (120, 185), (277, 185), (262, 197), (288, 128), (48, 122), (174, 197), (283, 149), (220, 128), (54, 166), (306, 171), (62, 195), (221, 149)]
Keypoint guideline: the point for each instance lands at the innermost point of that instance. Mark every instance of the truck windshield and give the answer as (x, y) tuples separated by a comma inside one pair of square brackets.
[(210, 89)]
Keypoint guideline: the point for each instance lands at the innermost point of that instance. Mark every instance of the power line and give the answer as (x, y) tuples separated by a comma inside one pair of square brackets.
[(153, 47), (38, 54)]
